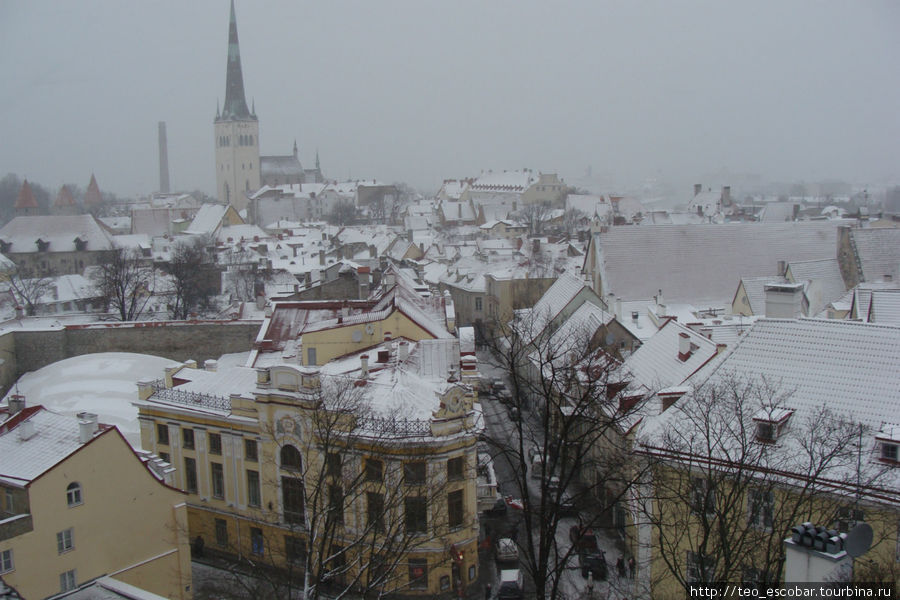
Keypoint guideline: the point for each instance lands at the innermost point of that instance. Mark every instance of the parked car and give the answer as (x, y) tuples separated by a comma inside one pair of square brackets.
[(591, 558), (510, 587), (506, 551), (498, 509)]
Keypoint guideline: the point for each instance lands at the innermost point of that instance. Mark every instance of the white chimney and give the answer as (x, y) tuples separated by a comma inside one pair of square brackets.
[(684, 346), (87, 426), (784, 300), (16, 403), (210, 364), (402, 350), (364, 365), (26, 430)]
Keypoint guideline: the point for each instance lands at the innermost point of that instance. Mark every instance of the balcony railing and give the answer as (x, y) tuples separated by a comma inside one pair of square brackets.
[(161, 392), (396, 428)]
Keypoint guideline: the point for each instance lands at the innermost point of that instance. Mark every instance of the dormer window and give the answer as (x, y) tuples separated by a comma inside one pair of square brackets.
[(888, 443), (5, 246), (42, 245), (771, 423), (80, 244)]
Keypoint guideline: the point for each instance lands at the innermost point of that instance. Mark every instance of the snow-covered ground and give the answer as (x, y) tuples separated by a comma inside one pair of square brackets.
[(105, 384)]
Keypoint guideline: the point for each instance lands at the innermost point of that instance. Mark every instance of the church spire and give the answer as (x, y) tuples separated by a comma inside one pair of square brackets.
[(235, 102)]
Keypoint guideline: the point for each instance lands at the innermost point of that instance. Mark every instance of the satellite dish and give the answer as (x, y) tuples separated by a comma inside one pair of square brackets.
[(859, 540)]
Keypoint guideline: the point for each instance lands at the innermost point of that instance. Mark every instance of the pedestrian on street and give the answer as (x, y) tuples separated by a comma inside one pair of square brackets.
[(487, 592), (631, 566), (620, 566)]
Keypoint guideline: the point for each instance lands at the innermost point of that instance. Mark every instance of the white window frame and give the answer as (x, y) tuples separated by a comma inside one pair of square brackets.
[(74, 496), (68, 581), (65, 541), (7, 564)]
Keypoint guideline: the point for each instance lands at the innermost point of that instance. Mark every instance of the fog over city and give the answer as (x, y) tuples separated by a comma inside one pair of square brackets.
[(418, 92)]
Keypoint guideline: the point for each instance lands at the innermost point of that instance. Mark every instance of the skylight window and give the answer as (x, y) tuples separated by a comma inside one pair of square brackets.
[(771, 424)]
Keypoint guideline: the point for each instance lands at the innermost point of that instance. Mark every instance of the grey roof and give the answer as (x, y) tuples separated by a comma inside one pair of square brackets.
[(878, 250), (822, 281), (235, 103), (280, 166), (755, 288), (700, 263), (884, 307), (60, 231), (777, 212)]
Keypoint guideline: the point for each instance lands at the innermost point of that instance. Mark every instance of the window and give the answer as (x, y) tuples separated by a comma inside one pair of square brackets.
[(416, 512), (761, 506), (190, 475), (292, 497), (703, 496), (250, 451), (478, 303), (455, 467), (73, 494), (374, 469), (294, 549), (65, 540), (221, 533), (375, 510), (766, 432), (162, 434), (187, 436), (414, 472), (700, 568), (6, 561), (290, 459), (333, 464), (418, 574), (10, 501), (217, 474), (215, 444), (67, 581), (336, 503), (253, 493), (889, 451), (455, 508), (311, 356), (256, 541)]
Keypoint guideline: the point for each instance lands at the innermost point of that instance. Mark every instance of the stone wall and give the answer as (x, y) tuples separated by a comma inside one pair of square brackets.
[(24, 350)]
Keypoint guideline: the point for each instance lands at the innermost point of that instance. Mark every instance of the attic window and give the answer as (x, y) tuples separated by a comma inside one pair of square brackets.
[(42, 245), (888, 440), (80, 244), (771, 423), (890, 452), (5, 246)]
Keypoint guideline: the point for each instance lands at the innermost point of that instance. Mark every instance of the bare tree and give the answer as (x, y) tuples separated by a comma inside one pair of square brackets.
[(535, 216), (243, 273), (30, 286), (125, 283), (563, 405), (343, 213), (192, 277), (722, 493)]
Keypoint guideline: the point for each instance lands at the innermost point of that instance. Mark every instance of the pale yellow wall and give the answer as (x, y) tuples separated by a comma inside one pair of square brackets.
[(338, 341), (741, 305), (127, 517), (236, 165)]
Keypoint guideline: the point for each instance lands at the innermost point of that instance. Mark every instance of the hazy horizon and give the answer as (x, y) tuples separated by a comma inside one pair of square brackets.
[(419, 92)]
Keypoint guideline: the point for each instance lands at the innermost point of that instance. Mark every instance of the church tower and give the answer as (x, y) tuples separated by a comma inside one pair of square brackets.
[(236, 134)]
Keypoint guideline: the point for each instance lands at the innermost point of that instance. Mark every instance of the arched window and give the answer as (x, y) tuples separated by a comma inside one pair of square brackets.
[(73, 494), (290, 458)]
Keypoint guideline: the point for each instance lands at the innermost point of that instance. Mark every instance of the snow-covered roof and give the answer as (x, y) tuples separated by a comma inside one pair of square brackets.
[(208, 219), (878, 251), (554, 300), (700, 263), (656, 364), (755, 290), (777, 212), (884, 307), (60, 231), (55, 436), (505, 181), (822, 281)]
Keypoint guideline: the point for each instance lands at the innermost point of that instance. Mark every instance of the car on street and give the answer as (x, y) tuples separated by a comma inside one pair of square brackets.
[(591, 559), (510, 586), (506, 551)]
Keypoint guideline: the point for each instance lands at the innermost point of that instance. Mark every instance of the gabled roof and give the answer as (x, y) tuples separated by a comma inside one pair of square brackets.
[(284, 166), (64, 197), (208, 219), (54, 438), (884, 307), (755, 290), (656, 364), (878, 251), (92, 194), (554, 300), (60, 231), (699, 263), (821, 279)]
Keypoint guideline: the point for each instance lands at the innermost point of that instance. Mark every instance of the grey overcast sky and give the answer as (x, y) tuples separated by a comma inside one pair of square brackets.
[(418, 91)]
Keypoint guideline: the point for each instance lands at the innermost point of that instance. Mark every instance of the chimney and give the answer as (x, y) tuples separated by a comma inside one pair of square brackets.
[(782, 268), (16, 403), (26, 430), (163, 159), (87, 426), (387, 337), (211, 365), (698, 187), (706, 332), (684, 346), (402, 350), (784, 300), (726, 195), (535, 245), (364, 366)]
